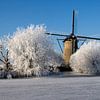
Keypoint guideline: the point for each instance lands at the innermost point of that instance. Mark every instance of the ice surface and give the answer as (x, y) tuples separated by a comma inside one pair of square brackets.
[(51, 88)]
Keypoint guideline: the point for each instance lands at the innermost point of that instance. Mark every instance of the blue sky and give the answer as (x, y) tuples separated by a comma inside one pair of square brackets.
[(55, 14)]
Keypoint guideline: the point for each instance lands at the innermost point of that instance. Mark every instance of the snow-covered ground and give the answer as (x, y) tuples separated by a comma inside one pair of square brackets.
[(51, 88)]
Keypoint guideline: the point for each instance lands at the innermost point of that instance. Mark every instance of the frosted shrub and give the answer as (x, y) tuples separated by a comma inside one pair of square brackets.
[(37, 71), (9, 76), (87, 58)]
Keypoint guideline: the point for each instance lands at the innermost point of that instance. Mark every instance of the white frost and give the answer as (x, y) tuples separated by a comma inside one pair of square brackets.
[(30, 49), (87, 58)]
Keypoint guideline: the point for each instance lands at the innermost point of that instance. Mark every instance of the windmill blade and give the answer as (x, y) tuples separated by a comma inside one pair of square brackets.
[(60, 39), (80, 39), (83, 41), (60, 45), (85, 37), (57, 34)]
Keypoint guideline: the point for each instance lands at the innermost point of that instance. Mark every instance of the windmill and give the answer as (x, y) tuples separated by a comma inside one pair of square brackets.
[(70, 41)]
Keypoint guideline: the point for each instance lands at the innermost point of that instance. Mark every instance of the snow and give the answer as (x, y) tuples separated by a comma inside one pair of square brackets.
[(51, 88)]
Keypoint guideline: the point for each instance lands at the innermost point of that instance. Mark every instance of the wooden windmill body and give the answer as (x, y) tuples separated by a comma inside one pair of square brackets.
[(70, 47)]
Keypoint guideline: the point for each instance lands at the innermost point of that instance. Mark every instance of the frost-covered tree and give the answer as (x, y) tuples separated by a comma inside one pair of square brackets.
[(4, 58), (87, 58), (30, 49)]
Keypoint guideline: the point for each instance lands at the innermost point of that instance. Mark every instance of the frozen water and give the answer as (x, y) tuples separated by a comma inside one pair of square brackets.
[(51, 88)]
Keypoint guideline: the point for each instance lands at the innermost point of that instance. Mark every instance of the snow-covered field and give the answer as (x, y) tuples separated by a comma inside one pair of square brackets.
[(51, 88)]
